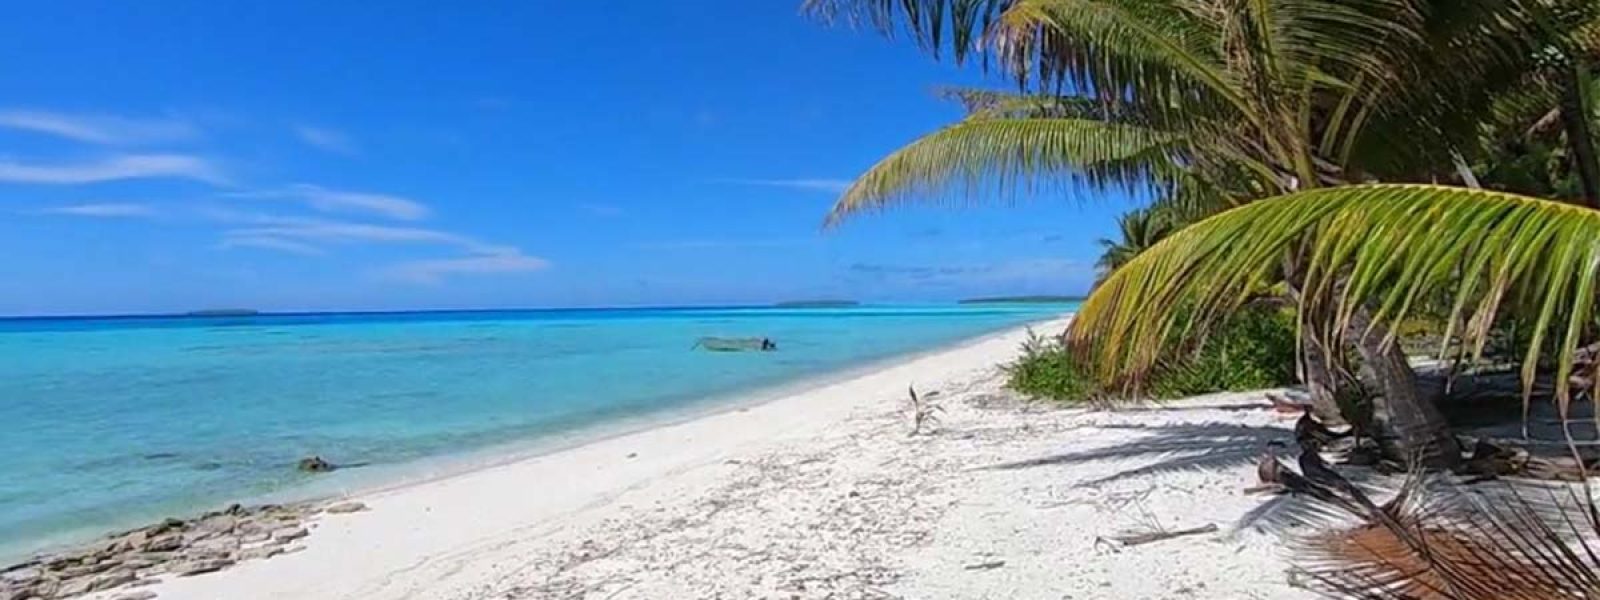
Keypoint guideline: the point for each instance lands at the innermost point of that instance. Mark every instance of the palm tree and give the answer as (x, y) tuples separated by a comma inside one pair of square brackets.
[(1376, 250), (1218, 103), (1140, 229)]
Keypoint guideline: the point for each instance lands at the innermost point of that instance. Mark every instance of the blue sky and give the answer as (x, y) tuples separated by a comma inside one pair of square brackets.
[(171, 156)]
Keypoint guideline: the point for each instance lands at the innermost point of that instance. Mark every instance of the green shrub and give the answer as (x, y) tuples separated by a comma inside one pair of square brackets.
[(1047, 370), (1252, 350)]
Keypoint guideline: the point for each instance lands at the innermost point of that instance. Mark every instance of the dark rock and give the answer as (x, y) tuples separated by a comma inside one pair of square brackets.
[(167, 543), (289, 533), (133, 540), (221, 546), (111, 580), (154, 557), (346, 507), (77, 571), (315, 464), (164, 526), (44, 589), (218, 523), (198, 567), (75, 587), (259, 553), (23, 576), (144, 595), (134, 562)]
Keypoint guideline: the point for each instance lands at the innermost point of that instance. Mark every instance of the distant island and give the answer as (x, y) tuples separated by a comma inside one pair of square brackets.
[(817, 304), (223, 312), (1023, 300)]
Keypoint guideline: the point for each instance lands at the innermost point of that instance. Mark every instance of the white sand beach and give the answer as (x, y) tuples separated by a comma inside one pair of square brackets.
[(822, 494)]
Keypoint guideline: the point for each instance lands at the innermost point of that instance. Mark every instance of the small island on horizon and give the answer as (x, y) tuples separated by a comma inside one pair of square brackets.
[(1040, 299), (223, 312), (816, 304)]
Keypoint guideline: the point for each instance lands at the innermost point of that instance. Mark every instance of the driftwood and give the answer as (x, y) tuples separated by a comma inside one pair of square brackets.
[(1156, 536), (721, 344)]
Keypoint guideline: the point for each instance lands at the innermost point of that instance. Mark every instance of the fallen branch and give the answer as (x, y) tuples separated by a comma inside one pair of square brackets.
[(1146, 538)]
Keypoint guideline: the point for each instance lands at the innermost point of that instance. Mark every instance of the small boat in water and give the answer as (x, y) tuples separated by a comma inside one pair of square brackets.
[(721, 344)]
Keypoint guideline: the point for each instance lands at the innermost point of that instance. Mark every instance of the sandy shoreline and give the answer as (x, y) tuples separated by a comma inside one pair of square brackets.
[(819, 493)]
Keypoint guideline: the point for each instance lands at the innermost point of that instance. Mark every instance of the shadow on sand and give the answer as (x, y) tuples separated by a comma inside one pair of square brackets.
[(1185, 447)]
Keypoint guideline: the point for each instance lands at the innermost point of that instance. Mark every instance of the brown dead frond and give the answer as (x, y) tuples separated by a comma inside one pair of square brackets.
[(1440, 540)]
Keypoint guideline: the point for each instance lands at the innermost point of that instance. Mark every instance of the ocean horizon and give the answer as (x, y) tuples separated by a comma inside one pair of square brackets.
[(119, 420)]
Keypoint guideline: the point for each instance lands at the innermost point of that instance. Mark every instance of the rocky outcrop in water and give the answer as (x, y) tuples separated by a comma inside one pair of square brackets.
[(314, 464), (172, 548)]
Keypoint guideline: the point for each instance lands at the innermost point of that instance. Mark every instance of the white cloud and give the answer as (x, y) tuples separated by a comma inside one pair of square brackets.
[(98, 129), (325, 139), (1010, 272), (434, 270), (336, 201), (820, 185), (104, 210), (340, 232), (312, 231), (132, 166), (713, 244), (269, 243)]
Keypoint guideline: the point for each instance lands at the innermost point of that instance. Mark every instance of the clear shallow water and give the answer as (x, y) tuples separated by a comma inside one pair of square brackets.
[(116, 421)]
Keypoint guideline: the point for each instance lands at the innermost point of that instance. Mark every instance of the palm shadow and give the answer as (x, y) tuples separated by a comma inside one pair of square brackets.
[(1175, 448)]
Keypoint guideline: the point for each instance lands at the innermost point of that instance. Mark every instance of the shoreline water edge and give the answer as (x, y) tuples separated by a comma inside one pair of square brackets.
[(279, 525)]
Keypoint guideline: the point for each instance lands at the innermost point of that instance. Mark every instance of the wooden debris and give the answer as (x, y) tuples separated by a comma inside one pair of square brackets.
[(1137, 539)]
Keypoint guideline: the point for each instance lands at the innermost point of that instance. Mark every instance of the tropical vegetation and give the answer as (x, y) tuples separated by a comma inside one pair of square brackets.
[(1252, 350), (1327, 152)]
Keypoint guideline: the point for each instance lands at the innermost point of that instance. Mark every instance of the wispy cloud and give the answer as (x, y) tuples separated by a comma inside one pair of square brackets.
[(323, 138), (269, 243), (99, 129), (133, 166), (606, 211), (320, 233), (1012, 272), (317, 231), (820, 185), (336, 201), (103, 210), (312, 236), (716, 244), (435, 270)]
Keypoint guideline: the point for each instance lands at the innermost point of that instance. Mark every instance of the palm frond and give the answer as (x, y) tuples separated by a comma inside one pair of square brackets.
[(996, 104), (988, 156), (1372, 247), (1154, 54), (931, 23), (1440, 540)]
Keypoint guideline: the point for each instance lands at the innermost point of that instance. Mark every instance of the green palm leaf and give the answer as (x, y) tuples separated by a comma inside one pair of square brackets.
[(1007, 155), (1375, 247)]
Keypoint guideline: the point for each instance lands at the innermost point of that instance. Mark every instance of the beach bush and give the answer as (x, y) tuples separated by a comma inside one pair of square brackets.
[(1252, 350), (1046, 370)]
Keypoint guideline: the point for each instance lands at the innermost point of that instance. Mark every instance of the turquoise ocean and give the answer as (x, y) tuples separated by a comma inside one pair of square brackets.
[(113, 422)]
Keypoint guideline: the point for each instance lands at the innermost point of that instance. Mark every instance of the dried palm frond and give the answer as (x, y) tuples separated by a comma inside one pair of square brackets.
[(1441, 540)]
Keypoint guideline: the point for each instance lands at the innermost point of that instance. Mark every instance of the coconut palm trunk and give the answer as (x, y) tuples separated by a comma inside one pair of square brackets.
[(1402, 408), (1576, 106)]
